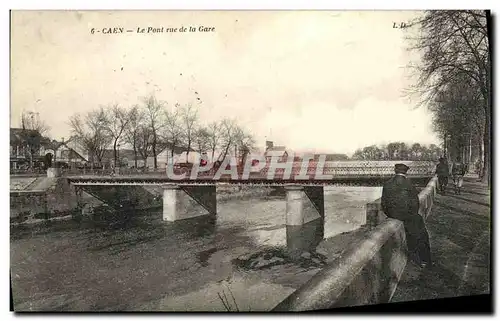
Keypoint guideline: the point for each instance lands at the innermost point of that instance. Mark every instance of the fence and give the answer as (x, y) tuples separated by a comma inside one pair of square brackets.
[(337, 169)]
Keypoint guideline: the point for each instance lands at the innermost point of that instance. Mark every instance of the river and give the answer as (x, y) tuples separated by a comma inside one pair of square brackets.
[(235, 262)]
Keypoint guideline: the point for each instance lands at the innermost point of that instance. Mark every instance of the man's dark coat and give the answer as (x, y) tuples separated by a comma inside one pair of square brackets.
[(400, 201)]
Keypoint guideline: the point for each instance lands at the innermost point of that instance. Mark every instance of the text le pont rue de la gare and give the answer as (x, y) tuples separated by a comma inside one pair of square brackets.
[(152, 30)]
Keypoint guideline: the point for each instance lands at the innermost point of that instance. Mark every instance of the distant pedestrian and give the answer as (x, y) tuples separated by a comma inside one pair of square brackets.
[(479, 168), (458, 172), (442, 172), (400, 201)]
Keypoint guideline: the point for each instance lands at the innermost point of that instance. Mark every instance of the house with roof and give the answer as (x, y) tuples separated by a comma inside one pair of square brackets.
[(124, 157), (23, 142), (180, 155), (164, 156), (68, 153), (19, 149), (275, 151)]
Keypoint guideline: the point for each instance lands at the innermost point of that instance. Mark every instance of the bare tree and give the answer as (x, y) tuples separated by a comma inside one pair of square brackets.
[(32, 135), (131, 134), (228, 131), (244, 143), (32, 121), (153, 117), (189, 117), (457, 111), (416, 151), (391, 151), (397, 151), (117, 120), (173, 129), (372, 152), (201, 138), (455, 44), (213, 137), (90, 131), (144, 142)]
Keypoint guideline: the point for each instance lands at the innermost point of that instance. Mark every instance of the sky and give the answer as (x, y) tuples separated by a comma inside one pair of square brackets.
[(323, 81)]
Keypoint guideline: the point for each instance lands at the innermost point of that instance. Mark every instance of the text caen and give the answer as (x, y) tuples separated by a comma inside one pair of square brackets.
[(113, 30)]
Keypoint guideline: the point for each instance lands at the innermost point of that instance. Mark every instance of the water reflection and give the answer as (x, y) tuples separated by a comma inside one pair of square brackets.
[(304, 238), (113, 257)]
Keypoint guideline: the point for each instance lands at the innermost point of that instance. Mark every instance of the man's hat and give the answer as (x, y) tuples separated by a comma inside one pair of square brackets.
[(401, 168)]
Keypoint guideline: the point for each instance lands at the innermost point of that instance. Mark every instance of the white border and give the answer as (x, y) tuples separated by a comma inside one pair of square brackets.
[(254, 4), (200, 5)]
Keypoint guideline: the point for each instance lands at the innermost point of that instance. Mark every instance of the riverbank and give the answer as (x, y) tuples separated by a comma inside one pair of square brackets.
[(141, 263), (34, 214), (227, 193)]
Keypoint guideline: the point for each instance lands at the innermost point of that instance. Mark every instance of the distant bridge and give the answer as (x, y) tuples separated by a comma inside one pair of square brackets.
[(159, 181), (360, 173), (189, 198)]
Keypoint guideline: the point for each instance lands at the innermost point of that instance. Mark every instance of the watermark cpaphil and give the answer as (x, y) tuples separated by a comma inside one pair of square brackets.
[(270, 168)]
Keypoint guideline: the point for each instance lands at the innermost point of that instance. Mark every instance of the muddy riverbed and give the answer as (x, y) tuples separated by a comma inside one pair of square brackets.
[(236, 261)]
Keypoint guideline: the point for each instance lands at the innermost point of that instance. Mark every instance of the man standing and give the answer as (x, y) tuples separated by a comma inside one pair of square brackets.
[(442, 172), (478, 168), (400, 201), (458, 172)]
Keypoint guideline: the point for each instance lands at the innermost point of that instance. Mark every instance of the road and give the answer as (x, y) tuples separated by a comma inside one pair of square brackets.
[(459, 229)]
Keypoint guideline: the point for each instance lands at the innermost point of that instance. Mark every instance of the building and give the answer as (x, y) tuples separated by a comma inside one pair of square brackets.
[(62, 152), (127, 157), (275, 151), (22, 143), (124, 157), (18, 149), (165, 157), (67, 153)]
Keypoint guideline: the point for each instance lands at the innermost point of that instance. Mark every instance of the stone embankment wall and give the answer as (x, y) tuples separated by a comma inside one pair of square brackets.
[(369, 270), (57, 199)]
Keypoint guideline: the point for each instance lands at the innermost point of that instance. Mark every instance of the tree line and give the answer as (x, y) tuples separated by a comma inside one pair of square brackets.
[(150, 127), (453, 78), (398, 151)]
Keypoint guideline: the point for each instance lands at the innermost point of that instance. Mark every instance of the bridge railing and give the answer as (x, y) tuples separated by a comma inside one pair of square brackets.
[(337, 169), (110, 172)]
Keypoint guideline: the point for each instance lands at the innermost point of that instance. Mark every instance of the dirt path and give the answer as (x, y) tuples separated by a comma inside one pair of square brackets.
[(459, 227)]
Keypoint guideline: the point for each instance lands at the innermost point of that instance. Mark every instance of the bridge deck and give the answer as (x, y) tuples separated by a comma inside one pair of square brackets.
[(333, 173), (361, 180)]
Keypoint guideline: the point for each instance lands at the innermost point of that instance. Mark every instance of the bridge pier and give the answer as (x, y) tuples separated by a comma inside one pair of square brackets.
[(305, 216), (187, 201)]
